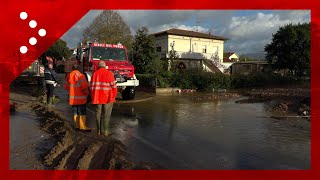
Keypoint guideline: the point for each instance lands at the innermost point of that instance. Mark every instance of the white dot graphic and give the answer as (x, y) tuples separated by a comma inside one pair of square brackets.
[(23, 15), (42, 32), (33, 41), (33, 24), (23, 49)]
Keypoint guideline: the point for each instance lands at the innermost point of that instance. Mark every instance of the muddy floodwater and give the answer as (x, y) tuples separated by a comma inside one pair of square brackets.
[(178, 132), (182, 132)]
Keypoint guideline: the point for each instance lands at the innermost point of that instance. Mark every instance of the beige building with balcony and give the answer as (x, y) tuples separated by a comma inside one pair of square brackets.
[(193, 49)]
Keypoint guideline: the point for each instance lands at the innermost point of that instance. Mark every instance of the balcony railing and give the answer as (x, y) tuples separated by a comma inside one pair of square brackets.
[(188, 55)]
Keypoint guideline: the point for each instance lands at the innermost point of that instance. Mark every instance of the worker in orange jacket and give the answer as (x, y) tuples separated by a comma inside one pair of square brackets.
[(103, 90), (77, 85)]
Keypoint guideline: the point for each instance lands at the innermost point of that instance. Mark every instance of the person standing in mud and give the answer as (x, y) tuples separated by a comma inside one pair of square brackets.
[(51, 82), (77, 85), (103, 90)]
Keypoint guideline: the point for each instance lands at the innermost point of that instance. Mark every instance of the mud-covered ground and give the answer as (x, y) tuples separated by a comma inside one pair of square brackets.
[(78, 150), (59, 145), (287, 102)]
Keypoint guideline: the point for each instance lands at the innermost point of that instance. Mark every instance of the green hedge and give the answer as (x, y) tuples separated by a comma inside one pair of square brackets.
[(262, 80), (146, 80), (206, 81)]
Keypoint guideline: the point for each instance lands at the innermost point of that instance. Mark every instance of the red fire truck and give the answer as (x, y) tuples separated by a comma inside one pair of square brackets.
[(116, 59)]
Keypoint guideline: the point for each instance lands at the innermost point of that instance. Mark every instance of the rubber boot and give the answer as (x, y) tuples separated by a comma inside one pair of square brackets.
[(76, 119), (82, 123)]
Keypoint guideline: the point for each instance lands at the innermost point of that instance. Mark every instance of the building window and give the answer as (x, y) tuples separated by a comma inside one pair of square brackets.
[(158, 49), (204, 49)]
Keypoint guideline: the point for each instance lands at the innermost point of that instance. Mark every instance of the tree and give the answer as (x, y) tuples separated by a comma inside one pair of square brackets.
[(173, 57), (144, 51), (155, 66), (217, 61), (58, 50), (290, 48), (109, 27)]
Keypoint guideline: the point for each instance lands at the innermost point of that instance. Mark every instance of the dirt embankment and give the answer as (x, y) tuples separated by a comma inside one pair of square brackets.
[(217, 96), (70, 149), (283, 101)]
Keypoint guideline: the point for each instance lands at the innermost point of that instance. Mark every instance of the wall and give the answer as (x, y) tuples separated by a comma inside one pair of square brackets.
[(227, 65), (190, 64), (191, 47), (162, 41), (247, 68)]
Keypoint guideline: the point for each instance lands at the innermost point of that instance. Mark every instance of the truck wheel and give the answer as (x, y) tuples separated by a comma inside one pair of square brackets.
[(39, 82), (128, 93)]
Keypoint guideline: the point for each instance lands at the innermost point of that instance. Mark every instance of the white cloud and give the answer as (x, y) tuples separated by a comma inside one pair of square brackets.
[(252, 33), (160, 19), (178, 26), (248, 31), (258, 25)]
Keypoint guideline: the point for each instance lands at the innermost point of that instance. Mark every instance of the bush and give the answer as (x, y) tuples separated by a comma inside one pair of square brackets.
[(197, 79), (182, 79), (146, 80), (263, 80), (206, 81)]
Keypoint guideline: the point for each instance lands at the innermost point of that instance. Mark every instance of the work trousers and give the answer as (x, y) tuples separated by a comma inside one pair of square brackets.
[(50, 89), (79, 109), (103, 113)]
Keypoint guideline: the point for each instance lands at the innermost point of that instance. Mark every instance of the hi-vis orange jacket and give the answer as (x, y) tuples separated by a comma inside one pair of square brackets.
[(77, 85), (103, 87)]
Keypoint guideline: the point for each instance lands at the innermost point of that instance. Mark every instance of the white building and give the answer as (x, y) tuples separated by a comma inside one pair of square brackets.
[(194, 49)]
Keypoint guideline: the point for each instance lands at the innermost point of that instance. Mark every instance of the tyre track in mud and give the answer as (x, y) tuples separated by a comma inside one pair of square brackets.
[(76, 150)]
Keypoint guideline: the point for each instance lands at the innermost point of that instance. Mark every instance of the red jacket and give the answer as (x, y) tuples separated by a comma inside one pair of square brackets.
[(103, 87)]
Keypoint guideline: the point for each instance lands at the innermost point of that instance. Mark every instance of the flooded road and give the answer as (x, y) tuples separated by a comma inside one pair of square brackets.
[(24, 144), (178, 132)]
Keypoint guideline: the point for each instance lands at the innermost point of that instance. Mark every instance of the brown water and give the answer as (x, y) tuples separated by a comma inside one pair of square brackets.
[(25, 136), (180, 133)]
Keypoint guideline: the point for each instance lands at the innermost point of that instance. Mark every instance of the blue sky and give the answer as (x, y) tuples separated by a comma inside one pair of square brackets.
[(247, 30)]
